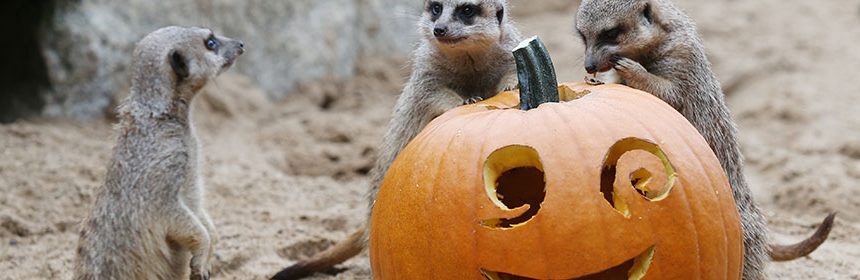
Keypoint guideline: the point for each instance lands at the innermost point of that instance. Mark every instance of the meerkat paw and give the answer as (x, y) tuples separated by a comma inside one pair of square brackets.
[(510, 82), (627, 67), (513, 87), (472, 100), (199, 270)]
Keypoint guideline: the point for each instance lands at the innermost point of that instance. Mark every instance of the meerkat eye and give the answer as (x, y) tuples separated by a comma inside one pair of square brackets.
[(468, 11), (212, 43), (436, 8), (610, 36)]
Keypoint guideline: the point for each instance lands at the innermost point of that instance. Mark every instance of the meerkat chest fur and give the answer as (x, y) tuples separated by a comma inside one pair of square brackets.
[(472, 73)]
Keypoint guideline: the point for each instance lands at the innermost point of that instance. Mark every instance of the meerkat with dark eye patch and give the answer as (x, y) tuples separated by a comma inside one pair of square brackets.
[(653, 46), (464, 56), (148, 220)]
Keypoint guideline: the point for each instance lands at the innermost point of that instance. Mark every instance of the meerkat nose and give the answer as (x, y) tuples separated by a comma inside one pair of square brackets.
[(440, 31), (591, 68)]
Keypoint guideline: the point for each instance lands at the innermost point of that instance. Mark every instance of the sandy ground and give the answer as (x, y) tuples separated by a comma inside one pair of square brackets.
[(287, 179)]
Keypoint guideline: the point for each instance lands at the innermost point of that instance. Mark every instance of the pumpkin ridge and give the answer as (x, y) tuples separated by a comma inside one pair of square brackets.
[(419, 148), (710, 154), (598, 99), (588, 112), (453, 134), (478, 193), (700, 167), (545, 125)]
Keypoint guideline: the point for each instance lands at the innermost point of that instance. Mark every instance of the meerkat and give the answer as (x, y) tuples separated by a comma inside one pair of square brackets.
[(653, 46), (148, 220), (464, 56)]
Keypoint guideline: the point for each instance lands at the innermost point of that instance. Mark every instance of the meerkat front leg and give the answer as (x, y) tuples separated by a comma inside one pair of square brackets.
[(635, 75), (507, 83), (417, 106), (190, 232), (195, 203)]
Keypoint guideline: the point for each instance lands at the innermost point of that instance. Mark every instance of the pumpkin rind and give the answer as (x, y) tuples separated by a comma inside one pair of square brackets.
[(427, 222)]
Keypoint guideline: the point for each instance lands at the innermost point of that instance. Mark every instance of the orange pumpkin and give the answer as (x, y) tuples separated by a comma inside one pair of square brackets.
[(609, 183)]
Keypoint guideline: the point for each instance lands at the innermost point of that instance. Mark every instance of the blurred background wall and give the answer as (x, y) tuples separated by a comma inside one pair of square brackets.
[(71, 57)]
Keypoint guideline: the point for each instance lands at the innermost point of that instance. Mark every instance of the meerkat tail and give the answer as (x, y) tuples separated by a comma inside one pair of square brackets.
[(782, 253), (325, 260)]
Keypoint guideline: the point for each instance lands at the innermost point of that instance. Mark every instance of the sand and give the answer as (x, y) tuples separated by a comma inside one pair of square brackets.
[(286, 179)]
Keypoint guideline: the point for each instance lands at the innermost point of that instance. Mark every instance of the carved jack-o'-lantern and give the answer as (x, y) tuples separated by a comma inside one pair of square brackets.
[(609, 183)]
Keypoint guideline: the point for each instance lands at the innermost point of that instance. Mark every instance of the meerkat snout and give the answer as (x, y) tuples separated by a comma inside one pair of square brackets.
[(440, 31), (228, 48)]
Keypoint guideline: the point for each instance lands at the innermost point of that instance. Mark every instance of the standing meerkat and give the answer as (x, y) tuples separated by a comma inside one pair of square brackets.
[(148, 220), (464, 55), (654, 47)]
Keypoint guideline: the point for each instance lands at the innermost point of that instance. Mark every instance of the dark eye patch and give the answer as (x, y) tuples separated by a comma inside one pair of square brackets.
[(435, 9), (646, 12), (466, 13), (610, 36)]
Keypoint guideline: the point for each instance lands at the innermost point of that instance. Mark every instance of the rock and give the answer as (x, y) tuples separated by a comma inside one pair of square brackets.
[(86, 44), (22, 73)]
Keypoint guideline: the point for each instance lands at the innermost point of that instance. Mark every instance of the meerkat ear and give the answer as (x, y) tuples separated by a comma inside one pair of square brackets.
[(647, 13), (500, 15), (179, 64)]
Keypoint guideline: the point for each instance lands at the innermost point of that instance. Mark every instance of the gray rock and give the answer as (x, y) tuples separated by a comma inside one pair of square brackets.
[(87, 43)]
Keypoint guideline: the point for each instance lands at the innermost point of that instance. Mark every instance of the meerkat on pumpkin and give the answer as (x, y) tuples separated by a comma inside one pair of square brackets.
[(464, 55), (654, 47)]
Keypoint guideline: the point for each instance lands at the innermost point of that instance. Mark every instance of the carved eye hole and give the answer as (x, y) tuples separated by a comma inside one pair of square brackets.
[(640, 179), (514, 181)]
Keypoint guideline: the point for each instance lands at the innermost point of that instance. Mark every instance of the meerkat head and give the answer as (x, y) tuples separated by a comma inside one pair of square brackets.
[(611, 28), (463, 23), (183, 58)]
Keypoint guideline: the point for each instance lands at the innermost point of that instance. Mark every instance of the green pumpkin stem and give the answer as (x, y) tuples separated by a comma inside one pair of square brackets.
[(538, 83)]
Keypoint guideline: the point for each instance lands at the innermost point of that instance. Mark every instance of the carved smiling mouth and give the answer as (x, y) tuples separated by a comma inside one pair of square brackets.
[(632, 269)]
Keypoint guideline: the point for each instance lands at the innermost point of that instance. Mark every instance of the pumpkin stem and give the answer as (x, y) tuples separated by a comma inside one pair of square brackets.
[(538, 83)]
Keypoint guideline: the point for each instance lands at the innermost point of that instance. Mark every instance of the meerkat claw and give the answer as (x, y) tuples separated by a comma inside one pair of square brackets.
[(472, 100)]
